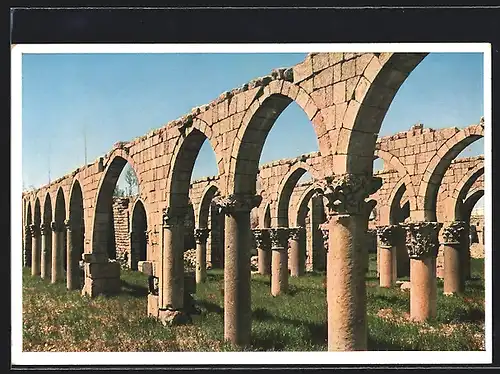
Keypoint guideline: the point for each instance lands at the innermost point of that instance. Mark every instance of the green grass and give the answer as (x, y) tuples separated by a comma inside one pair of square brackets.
[(55, 319)]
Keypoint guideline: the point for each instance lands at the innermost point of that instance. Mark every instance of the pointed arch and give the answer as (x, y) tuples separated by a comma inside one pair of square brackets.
[(469, 203), (76, 217), (60, 206), (303, 201), (463, 187), (440, 162), (401, 169), (256, 124), (203, 210), (396, 203), (138, 234), (265, 216), (285, 190), (103, 207), (47, 209), (180, 170), (376, 88)]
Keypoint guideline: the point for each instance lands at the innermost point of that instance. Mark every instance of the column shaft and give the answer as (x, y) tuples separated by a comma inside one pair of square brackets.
[(423, 290), (237, 301), (264, 261), (35, 255), (279, 272), (387, 266), (72, 261), (346, 289), (453, 274), (56, 256), (201, 262), (45, 268), (172, 283)]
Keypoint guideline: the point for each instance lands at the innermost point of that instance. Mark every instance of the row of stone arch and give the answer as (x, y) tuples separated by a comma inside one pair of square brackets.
[(236, 126)]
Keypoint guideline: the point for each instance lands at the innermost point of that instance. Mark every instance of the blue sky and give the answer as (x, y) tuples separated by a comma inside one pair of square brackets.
[(117, 97)]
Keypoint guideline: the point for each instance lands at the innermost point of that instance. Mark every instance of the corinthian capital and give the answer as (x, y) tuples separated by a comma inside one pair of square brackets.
[(325, 232), (262, 238), (34, 230), (237, 203), (295, 233), (44, 228), (279, 237), (67, 224), (422, 239), (173, 217), (346, 193), (453, 232), (201, 235), (387, 235)]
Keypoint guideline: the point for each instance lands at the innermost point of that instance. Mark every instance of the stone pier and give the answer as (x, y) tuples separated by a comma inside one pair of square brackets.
[(454, 274), (422, 244), (35, 250), (346, 289), (237, 298), (201, 236), (279, 266), (46, 251), (263, 241), (297, 251), (387, 236), (57, 249)]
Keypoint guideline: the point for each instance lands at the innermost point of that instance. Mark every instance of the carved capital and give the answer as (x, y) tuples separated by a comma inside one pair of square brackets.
[(67, 224), (262, 238), (201, 235), (173, 217), (44, 229), (279, 237), (452, 233), (296, 233), (422, 239), (237, 203), (346, 193), (56, 226), (387, 235), (34, 230)]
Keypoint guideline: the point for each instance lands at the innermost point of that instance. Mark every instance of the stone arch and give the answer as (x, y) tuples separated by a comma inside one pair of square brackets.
[(362, 120), (27, 234), (124, 154), (285, 190), (205, 204), (401, 169), (77, 227), (138, 234), (59, 218), (181, 167), (265, 217), (469, 203), (37, 213), (463, 187), (303, 201), (103, 207), (47, 209), (440, 162), (395, 200), (256, 124)]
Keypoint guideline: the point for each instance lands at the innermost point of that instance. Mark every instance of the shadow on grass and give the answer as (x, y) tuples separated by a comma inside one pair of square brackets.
[(275, 339), (133, 290), (209, 307)]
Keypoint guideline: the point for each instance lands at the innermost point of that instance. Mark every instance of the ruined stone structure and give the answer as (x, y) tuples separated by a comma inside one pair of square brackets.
[(345, 96)]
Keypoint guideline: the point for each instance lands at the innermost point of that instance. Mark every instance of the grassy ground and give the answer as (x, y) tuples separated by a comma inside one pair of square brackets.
[(55, 319)]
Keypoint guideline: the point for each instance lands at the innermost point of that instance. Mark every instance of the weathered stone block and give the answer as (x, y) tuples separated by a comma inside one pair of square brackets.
[(153, 309)]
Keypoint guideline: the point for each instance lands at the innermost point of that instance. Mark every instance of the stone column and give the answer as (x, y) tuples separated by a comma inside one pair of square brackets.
[(346, 289), (263, 241), (279, 261), (201, 236), (35, 250), (297, 251), (27, 246), (56, 271), (454, 275), (72, 260), (46, 257), (171, 292), (387, 259), (465, 253), (318, 248), (422, 244), (237, 298)]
